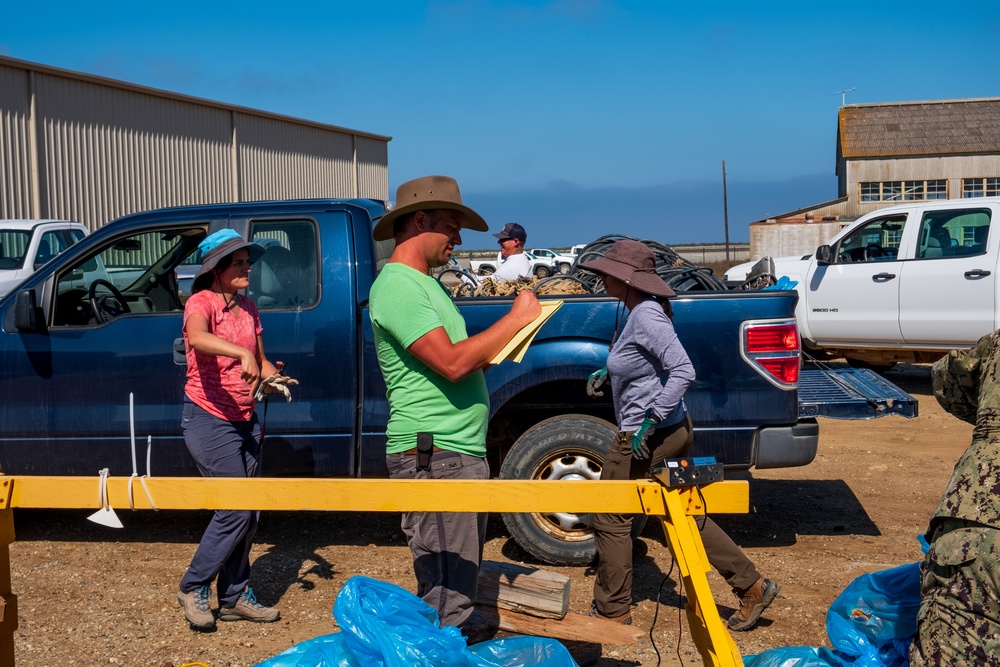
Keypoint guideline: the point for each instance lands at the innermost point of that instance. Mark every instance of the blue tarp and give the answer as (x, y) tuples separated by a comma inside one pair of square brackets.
[(870, 624), (383, 625)]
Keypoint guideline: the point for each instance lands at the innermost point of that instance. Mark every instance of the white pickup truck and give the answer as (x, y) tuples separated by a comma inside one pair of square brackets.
[(904, 283), (542, 268), (563, 262), (27, 244)]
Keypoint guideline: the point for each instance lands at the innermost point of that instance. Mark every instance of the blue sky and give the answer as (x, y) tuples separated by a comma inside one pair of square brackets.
[(576, 118)]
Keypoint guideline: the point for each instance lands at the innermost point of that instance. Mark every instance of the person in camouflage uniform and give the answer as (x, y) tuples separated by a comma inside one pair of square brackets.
[(959, 618)]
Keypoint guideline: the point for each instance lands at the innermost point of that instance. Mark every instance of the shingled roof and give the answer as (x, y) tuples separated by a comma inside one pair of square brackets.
[(943, 127)]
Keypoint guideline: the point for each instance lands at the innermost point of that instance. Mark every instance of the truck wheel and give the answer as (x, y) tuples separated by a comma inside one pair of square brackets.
[(566, 447), (542, 272), (486, 271), (564, 268)]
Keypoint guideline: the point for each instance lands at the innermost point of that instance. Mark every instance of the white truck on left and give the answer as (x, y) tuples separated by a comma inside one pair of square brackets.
[(25, 245)]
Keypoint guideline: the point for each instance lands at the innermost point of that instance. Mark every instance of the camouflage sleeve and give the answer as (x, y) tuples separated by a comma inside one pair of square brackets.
[(957, 378)]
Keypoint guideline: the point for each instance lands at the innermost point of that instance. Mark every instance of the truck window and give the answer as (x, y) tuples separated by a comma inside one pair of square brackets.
[(953, 233), (132, 274), (13, 246), (877, 241), (287, 275)]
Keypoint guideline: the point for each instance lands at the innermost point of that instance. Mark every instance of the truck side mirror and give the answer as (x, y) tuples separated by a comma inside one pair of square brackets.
[(27, 318), (824, 255)]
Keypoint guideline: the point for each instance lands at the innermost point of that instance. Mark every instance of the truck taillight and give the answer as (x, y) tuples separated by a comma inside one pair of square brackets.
[(772, 338), (772, 348)]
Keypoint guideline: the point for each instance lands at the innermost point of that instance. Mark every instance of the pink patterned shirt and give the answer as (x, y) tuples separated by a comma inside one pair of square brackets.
[(213, 381)]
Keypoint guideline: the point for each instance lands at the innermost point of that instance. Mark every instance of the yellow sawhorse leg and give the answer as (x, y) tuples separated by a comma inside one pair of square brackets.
[(707, 630)]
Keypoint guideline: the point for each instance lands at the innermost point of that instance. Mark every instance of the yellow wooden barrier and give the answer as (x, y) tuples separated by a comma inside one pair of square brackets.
[(675, 506)]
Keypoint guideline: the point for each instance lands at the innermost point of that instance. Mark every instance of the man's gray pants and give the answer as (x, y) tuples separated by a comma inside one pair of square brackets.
[(447, 546)]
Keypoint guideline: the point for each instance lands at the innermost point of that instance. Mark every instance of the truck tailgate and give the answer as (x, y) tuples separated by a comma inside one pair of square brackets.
[(851, 393)]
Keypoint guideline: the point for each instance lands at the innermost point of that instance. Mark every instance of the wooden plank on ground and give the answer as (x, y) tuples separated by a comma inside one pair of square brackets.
[(574, 627), (523, 589)]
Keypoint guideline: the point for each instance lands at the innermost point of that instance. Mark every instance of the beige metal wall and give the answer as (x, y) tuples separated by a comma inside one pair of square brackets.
[(90, 149)]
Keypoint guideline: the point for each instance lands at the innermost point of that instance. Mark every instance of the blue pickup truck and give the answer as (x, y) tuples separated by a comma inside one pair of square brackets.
[(103, 323)]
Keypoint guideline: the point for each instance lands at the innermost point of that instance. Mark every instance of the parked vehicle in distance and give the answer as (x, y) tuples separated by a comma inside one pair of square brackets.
[(563, 262), (103, 322), (540, 266), (904, 283), (26, 245)]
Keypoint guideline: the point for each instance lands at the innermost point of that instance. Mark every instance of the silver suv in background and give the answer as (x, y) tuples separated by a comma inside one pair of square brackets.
[(25, 245)]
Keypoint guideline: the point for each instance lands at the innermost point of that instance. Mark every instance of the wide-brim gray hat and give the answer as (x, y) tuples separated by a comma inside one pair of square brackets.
[(634, 264), (211, 259), (426, 194)]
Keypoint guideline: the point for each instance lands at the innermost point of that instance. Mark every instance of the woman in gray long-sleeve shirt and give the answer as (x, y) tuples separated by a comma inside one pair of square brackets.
[(650, 372)]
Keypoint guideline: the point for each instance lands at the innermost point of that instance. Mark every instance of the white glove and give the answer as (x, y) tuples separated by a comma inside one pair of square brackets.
[(276, 383)]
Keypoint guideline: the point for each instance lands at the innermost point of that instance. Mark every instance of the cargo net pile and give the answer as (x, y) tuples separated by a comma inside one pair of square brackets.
[(679, 273)]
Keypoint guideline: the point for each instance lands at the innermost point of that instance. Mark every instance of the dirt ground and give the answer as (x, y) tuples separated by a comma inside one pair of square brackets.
[(90, 595)]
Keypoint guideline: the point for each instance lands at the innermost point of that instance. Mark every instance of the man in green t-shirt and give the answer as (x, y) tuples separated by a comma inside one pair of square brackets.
[(438, 402)]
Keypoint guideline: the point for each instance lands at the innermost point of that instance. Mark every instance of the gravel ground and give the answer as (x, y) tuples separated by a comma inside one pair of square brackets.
[(90, 595)]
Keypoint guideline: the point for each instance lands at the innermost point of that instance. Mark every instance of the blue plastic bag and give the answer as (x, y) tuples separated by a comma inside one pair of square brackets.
[(870, 624), (383, 625), (783, 283)]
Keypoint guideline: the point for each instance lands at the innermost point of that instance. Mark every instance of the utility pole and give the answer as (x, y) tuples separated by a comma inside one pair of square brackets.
[(725, 208), (843, 95)]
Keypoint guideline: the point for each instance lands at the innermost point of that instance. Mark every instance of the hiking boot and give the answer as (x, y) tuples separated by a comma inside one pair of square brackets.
[(624, 619), (197, 608), (753, 602), (248, 609)]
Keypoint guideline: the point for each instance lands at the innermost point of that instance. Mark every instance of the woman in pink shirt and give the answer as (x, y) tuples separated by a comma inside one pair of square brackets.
[(225, 361)]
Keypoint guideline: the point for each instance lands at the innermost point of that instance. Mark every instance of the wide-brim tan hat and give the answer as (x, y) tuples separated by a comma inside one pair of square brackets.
[(634, 264), (425, 194)]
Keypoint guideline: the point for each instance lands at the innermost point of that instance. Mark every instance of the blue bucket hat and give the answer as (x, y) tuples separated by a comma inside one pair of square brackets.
[(218, 245)]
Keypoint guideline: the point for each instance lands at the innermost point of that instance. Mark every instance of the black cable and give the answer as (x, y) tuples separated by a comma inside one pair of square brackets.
[(679, 273), (656, 610)]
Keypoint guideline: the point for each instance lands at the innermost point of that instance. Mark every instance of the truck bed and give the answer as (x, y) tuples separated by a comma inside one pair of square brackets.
[(851, 393)]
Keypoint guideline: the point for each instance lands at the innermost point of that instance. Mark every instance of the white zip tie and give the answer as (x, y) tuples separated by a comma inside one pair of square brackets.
[(102, 490), (142, 480), (135, 470)]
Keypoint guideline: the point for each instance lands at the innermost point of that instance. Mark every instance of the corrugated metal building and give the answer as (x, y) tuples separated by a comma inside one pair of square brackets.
[(81, 147), (892, 153)]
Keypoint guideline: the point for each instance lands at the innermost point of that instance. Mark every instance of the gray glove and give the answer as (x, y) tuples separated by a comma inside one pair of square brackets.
[(276, 383)]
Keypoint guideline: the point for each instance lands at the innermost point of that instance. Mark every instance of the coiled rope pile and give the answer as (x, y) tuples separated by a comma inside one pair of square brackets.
[(679, 273)]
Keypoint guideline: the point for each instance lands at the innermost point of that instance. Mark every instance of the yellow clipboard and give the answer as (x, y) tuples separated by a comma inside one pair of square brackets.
[(518, 345)]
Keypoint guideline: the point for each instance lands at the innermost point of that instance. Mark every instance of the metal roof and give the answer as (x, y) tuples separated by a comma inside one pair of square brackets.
[(936, 127), (165, 94)]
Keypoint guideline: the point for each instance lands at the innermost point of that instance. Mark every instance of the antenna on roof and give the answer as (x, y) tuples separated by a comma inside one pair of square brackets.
[(843, 95)]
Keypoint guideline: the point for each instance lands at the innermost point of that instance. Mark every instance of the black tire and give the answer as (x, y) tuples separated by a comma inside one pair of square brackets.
[(542, 272), (563, 447), (486, 271), (564, 268)]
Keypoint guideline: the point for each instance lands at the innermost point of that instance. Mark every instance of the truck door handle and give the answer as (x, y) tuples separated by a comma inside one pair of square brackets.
[(883, 277), (976, 273), (179, 357)]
